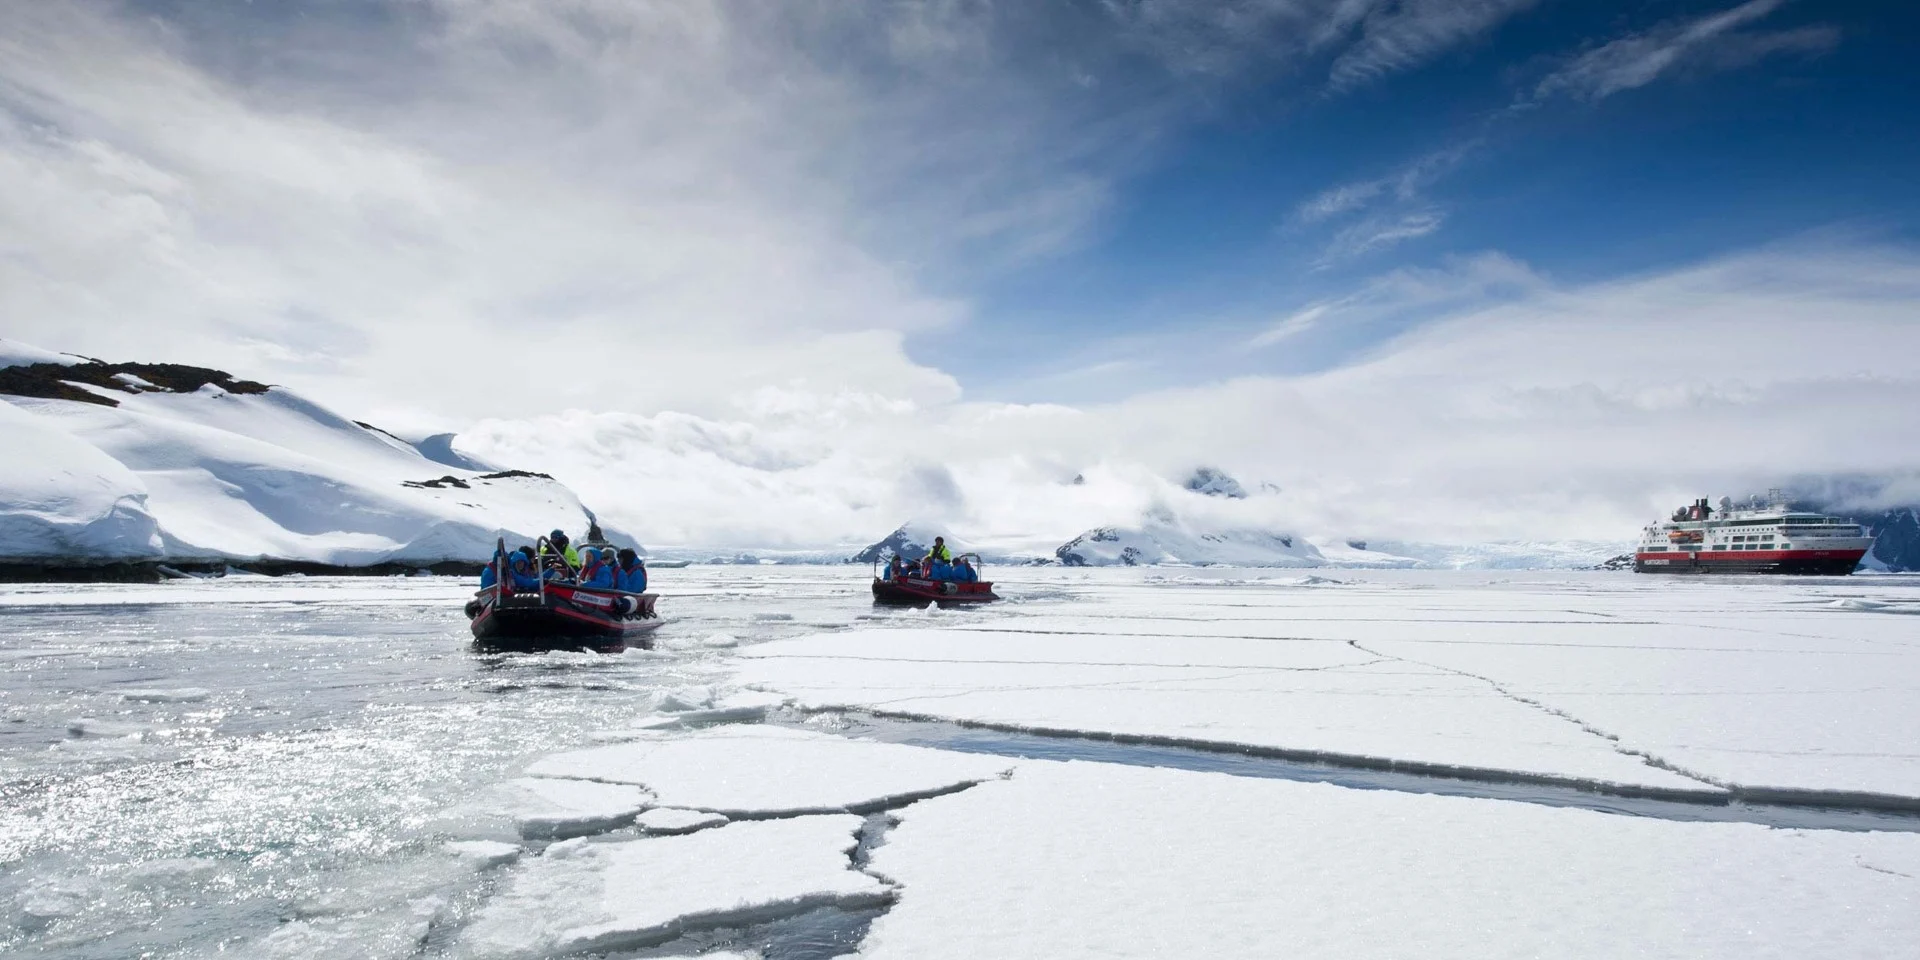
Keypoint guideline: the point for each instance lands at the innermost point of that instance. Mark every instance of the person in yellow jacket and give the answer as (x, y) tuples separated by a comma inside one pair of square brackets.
[(937, 560), (565, 548)]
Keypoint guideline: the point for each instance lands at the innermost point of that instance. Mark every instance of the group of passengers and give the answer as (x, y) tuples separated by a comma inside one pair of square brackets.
[(600, 567), (938, 564)]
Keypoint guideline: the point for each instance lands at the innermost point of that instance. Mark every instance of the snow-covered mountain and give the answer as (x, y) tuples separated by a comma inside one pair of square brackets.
[(120, 461), (1164, 539), (1214, 482), (912, 540)]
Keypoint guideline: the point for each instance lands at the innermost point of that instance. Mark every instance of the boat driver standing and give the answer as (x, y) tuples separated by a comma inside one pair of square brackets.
[(565, 547)]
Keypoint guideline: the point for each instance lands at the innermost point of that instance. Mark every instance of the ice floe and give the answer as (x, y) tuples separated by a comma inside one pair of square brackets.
[(1318, 700), (1636, 683), (583, 896), (668, 820), (1080, 860), (547, 808), (175, 695), (760, 771), (484, 853)]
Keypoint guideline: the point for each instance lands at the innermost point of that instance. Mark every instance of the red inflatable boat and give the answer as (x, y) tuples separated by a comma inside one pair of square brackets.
[(560, 615), (915, 589)]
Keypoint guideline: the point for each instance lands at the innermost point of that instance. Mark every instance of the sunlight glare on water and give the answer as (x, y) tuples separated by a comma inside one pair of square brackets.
[(275, 766)]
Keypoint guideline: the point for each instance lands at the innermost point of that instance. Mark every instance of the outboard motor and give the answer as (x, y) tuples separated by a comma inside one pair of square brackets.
[(474, 607), (626, 606)]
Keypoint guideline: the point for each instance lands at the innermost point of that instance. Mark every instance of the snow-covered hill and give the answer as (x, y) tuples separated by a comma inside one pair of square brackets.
[(134, 461), (1163, 539)]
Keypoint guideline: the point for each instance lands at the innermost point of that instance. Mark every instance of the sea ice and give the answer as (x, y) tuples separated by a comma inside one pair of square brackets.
[(1698, 685), (583, 897), (759, 771), (176, 695), (545, 808), (1086, 860), (668, 820), (1316, 698), (484, 853)]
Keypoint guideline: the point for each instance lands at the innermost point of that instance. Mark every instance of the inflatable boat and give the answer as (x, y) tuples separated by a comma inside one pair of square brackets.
[(558, 615), (916, 590)]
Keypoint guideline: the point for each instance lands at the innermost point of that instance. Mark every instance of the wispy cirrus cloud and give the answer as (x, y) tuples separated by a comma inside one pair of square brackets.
[(1400, 35), (1717, 41), (1367, 40)]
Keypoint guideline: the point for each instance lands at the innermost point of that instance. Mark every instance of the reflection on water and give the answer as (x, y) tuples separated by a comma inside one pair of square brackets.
[(275, 766)]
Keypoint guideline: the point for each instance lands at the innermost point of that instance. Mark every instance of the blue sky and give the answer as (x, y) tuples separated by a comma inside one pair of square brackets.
[(1795, 121)]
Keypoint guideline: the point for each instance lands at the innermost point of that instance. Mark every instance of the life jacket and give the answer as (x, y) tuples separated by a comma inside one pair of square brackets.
[(634, 579)]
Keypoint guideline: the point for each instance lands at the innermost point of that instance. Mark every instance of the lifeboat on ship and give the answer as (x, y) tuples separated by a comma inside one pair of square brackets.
[(916, 588), (556, 614)]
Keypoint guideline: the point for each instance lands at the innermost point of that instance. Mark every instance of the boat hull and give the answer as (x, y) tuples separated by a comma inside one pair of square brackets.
[(564, 618), (1815, 563), (912, 591)]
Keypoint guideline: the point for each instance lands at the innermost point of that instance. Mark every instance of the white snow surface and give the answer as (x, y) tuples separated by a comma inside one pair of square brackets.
[(61, 496), (213, 474), (759, 771), (13, 353), (1691, 684), (582, 896), (546, 808), (1096, 860)]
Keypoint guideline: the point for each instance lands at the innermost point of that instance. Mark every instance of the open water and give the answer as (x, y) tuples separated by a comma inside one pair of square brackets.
[(184, 768)]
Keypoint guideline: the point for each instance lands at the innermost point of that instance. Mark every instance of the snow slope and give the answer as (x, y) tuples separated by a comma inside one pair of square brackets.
[(148, 472), (61, 496)]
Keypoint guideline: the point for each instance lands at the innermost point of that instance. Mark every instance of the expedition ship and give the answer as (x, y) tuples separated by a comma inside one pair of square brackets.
[(1754, 538)]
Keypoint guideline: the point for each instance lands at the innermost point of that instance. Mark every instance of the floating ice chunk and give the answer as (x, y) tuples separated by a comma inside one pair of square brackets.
[(768, 617), (392, 933), (177, 695), (545, 808), (768, 771), (90, 727), (712, 641), (670, 820), (1086, 860), (751, 705), (483, 854), (626, 895), (1855, 603), (646, 726), (158, 872), (55, 898)]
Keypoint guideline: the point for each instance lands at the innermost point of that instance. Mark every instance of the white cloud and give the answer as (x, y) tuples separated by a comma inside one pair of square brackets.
[(1401, 35), (1711, 42), (635, 205), (1378, 233), (1513, 406)]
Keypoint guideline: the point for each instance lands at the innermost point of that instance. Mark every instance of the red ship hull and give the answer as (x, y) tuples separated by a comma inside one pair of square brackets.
[(1825, 563)]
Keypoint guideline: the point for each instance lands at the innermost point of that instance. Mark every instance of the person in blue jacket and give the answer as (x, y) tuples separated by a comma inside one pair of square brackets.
[(594, 571), (518, 566), (632, 573), (521, 567)]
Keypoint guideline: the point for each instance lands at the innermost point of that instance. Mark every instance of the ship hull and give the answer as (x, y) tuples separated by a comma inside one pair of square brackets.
[(1806, 563)]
